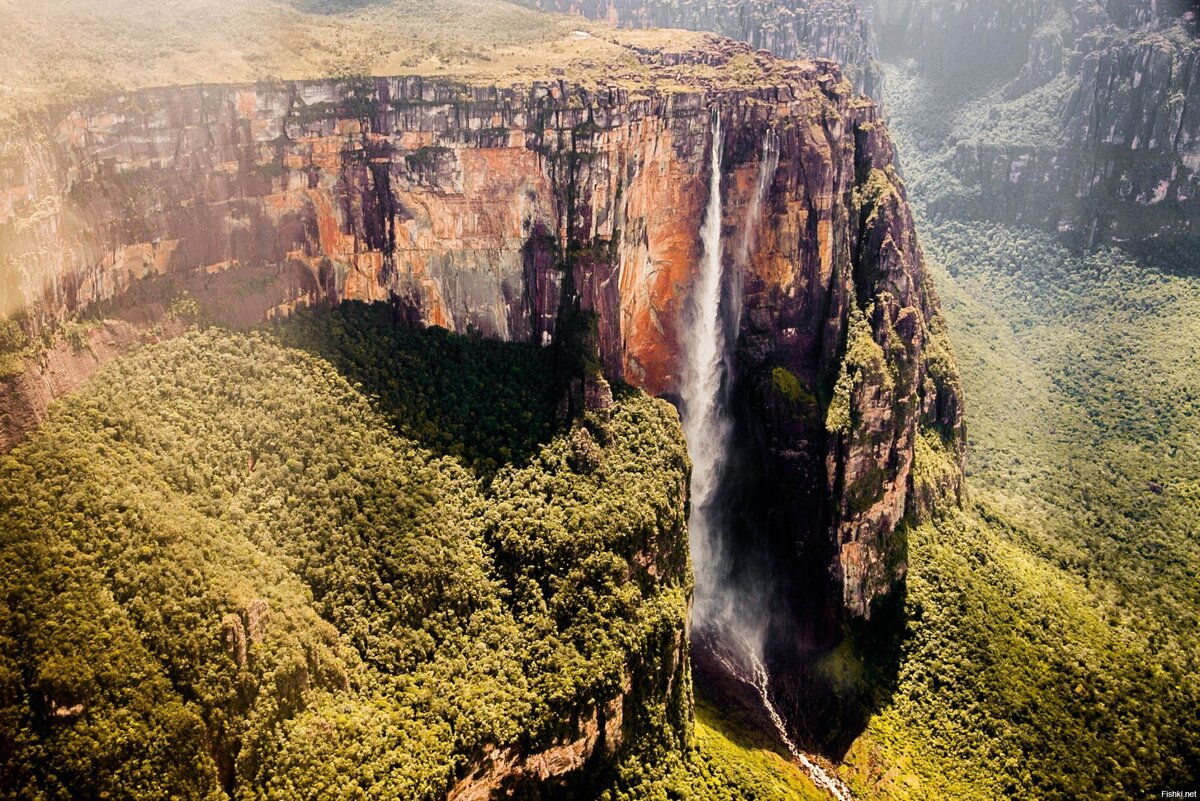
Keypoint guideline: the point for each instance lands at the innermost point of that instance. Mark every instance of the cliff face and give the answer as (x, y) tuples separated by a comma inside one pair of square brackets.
[(481, 209), (1121, 155), (948, 38), (1120, 158), (840, 30)]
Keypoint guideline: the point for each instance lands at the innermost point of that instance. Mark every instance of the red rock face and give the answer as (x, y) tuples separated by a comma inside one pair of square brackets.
[(1123, 161), (470, 208)]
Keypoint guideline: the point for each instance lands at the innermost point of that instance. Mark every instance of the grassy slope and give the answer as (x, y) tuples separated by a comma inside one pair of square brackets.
[(1052, 648), (74, 49), (732, 758)]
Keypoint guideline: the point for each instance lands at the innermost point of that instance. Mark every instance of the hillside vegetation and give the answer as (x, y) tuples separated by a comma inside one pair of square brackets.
[(1051, 646), (72, 51), (219, 548), (222, 569), (431, 384)]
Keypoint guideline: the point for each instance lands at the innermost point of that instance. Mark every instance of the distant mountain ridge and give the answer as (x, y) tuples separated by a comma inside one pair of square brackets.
[(1112, 86)]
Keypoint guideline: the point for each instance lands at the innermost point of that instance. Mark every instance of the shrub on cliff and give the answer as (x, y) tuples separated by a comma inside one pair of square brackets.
[(862, 362)]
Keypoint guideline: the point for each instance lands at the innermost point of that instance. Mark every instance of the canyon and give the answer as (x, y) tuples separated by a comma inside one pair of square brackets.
[(1087, 125), (1090, 129), (349, 352), (515, 213)]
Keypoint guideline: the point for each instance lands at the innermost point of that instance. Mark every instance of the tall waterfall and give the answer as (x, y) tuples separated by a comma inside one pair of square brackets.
[(731, 635), (767, 166), (706, 424)]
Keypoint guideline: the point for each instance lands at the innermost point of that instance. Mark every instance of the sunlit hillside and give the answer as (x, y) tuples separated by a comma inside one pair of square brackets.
[(71, 50), (1052, 646)]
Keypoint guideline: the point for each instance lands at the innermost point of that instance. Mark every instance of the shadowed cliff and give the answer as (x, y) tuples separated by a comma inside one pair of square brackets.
[(1075, 116), (497, 210)]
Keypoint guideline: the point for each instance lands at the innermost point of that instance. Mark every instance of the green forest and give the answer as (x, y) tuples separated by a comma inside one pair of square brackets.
[(232, 566), (337, 557), (484, 402), (1050, 646)]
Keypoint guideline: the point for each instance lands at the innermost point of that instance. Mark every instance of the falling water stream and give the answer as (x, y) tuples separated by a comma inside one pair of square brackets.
[(767, 166), (739, 659), (706, 424), (708, 428)]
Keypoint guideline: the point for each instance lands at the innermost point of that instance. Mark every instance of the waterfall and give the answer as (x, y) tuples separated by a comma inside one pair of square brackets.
[(767, 166), (733, 639), (706, 424), (822, 778), (739, 659)]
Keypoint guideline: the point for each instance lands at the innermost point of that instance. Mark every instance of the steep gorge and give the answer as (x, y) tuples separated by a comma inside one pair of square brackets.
[(1085, 122), (503, 211)]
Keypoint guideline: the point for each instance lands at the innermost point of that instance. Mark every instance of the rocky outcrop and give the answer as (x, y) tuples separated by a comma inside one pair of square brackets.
[(967, 38), (1121, 158), (486, 209), (656, 700), (1137, 109), (508, 767), (840, 30)]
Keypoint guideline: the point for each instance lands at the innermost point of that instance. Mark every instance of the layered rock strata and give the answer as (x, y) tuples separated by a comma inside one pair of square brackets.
[(493, 209), (840, 30)]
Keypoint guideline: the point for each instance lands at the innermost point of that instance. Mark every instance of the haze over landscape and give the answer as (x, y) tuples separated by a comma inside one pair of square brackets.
[(599, 399)]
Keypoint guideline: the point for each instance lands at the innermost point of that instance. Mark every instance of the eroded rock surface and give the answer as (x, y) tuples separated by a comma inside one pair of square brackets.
[(840, 30), (486, 209)]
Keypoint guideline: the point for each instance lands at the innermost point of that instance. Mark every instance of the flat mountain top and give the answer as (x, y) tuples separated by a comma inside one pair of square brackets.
[(67, 50)]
